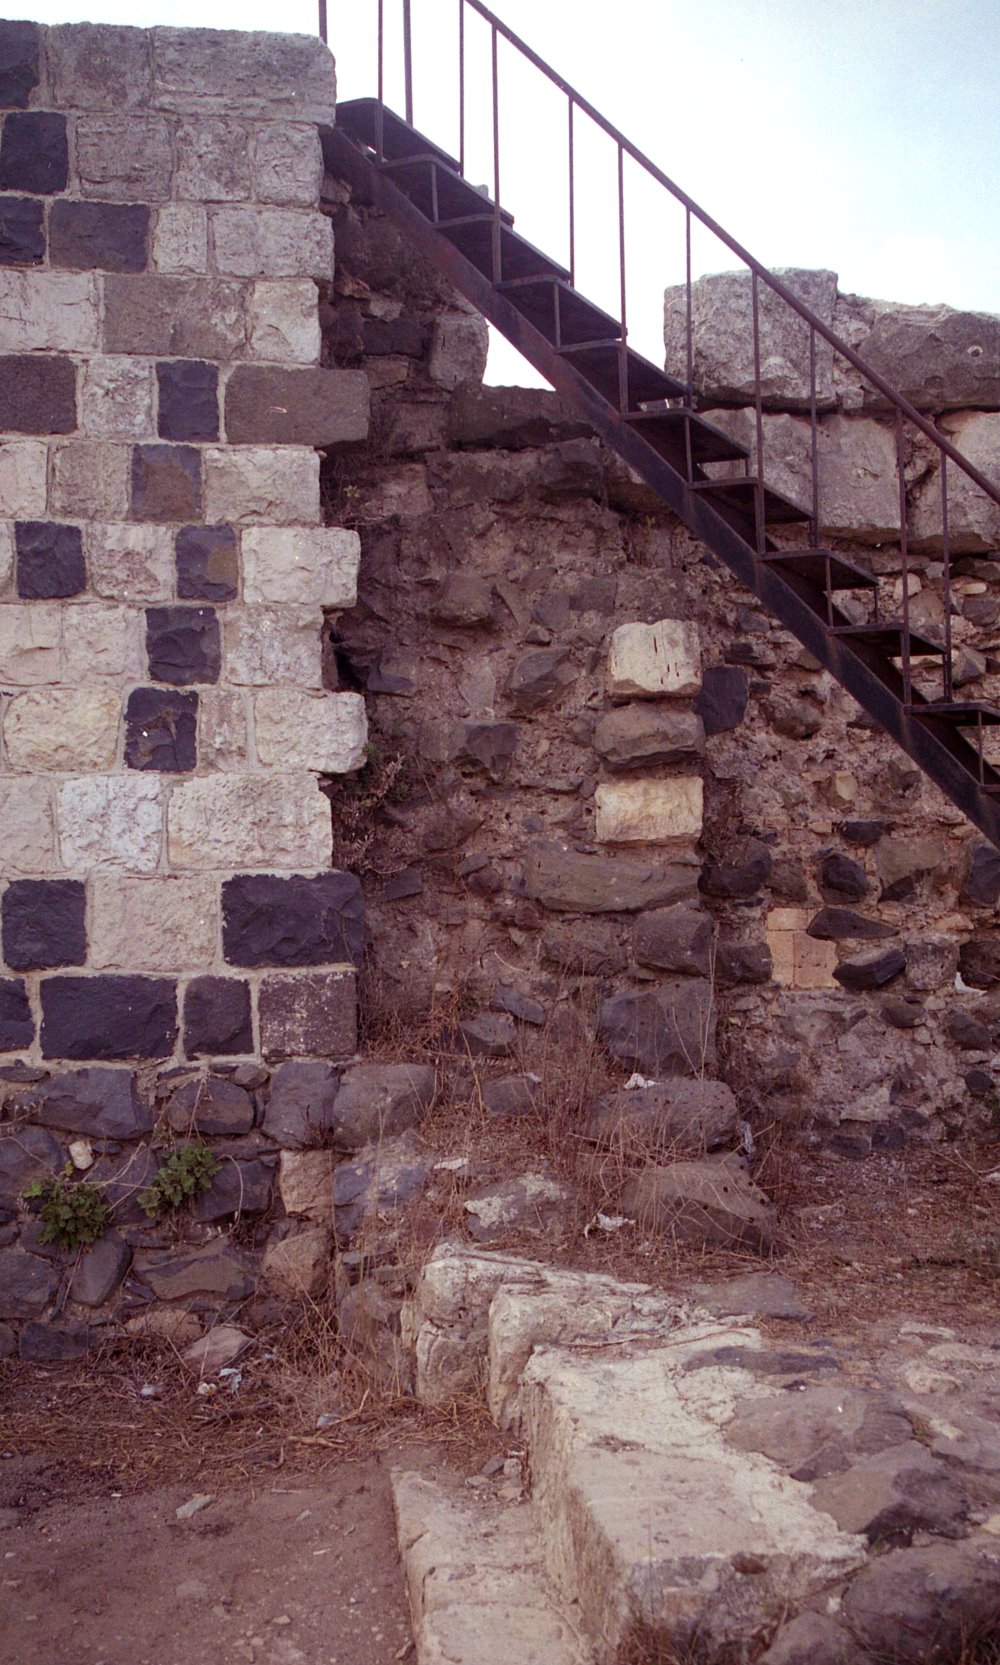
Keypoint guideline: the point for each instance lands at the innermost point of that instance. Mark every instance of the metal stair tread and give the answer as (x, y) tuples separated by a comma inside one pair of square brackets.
[(473, 235), (709, 443), (358, 118), (811, 564), (598, 362), (960, 712), (889, 636), (579, 319), (424, 177), (778, 509)]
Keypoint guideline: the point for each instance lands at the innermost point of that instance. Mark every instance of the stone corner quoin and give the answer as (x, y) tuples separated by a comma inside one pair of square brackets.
[(166, 576)]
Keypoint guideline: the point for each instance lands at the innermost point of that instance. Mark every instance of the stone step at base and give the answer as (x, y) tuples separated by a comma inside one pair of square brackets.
[(475, 1575)]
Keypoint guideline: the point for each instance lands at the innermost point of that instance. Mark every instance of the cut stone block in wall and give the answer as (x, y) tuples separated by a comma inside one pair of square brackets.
[(722, 338), (164, 570), (651, 660)]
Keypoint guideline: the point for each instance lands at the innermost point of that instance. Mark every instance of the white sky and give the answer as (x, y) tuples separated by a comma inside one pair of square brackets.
[(859, 135)]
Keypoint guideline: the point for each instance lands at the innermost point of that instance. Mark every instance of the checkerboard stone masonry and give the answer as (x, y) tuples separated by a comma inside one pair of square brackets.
[(165, 882)]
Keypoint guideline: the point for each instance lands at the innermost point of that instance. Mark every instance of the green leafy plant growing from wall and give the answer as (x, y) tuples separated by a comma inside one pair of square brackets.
[(73, 1212), (186, 1173)]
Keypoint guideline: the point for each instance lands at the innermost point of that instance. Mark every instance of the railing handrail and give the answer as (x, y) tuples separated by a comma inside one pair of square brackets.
[(805, 312)]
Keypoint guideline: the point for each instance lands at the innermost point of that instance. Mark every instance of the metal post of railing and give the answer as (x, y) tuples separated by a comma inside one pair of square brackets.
[(408, 60), (690, 314), (380, 113), (497, 260), (572, 200), (623, 288), (461, 87), (758, 494), (947, 681), (814, 433), (904, 553), (322, 21)]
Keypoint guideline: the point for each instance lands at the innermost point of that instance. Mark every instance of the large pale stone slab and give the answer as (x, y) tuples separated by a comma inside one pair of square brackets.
[(125, 158), (654, 659), (305, 1181), (6, 557), (226, 822), (856, 466), (27, 826), (23, 479), (174, 317), (88, 480), (156, 924), (937, 357), (269, 76), (973, 517), (101, 639), (213, 160), (283, 320), (459, 347), (94, 66), (326, 732), (52, 310), (287, 165), (61, 729), (256, 242), (649, 811), (722, 338), (111, 821), (222, 728), (131, 563), (266, 645), (30, 639), (254, 484), (116, 399), (313, 565), (180, 239)]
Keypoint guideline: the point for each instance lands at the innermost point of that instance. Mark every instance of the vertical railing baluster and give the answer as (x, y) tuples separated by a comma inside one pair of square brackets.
[(380, 112), (948, 687), (814, 438), (758, 495), (461, 87), (623, 288), (497, 262), (572, 199), (322, 21), (904, 552), (690, 310), (408, 61)]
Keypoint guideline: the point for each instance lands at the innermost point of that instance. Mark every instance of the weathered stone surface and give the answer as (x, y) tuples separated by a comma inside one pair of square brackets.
[(222, 729), (17, 1026), (382, 1177), (512, 1095), (27, 828), (96, 67), (761, 1294), (183, 644), (161, 730), (51, 1343), (99, 1103), (22, 232), (130, 563), (272, 406), (207, 564), (166, 482), (833, 924), (298, 921), (722, 338), (214, 1269), (44, 924), (490, 747), (892, 1494), (632, 735), (107, 236), (278, 645), (34, 155), (298, 1266), (212, 1107), (820, 1430), (531, 1203), (912, 1603), (674, 939), (23, 471), (287, 165), (939, 358), (223, 821), (53, 311), (650, 811), (127, 158), (108, 1017), (27, 1284), (486, 1036), (217, 1017), (842, 878), (50, 561), (222, 1345), (742, 962), (712, 1203), (901, 863), (267, 76), (262, 484), (62, 729), (29, 644), (459, 346), (567, 881), (180, 239), (37, 396), (26, 1153), (260, 242), (463, 600), (967, 1032), (665, 1031), (213, 160), (89, 480), (513, 418), (240, 1186), (305, 1181), (300, 1109), (20, 59), (539, 679), (376, 1101), (688, 1116), (871, 969), (721, 701), (100, 1270), (192, 317), (814, 1639), (301, 565), (796, 719), (982, 880), (116, 399), (747, 869), (188, 401), (979, 961), (311, 1013), (649, 660), (283, 322), (110, 821)]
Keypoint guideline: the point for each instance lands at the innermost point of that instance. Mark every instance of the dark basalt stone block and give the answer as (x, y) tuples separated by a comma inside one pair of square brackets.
[(44, 923), (843, 878), (239, 1187), (183, 644), (17, 1026), (296, 921), (166, 482), (207, 566), (50, 560), (214, 1107), (99, 236), (52, 1343), (189, 399), (870, 970), (982, 883), (161, 730), (34, 155), (19, 63), (308, 1014), (37, 394), (109, 1017), (217, 1017), (22, 231), (102, 1103), (721, 701), (747, 870), (742, 962), (834, 924), (27, 1284)]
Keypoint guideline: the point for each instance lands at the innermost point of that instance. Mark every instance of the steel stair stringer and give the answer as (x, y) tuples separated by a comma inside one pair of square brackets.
[(870, 677)]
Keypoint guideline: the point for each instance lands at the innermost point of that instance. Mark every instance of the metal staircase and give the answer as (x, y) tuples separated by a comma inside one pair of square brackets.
[(901, 676)]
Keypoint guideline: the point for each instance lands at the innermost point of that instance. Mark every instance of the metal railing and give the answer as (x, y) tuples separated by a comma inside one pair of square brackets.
[(905, 413)]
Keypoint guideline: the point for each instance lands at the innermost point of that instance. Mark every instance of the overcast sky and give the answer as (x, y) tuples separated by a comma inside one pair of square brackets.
[(859, 135)]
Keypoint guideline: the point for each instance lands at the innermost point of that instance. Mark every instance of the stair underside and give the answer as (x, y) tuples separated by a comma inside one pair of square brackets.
[(574, 345)]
